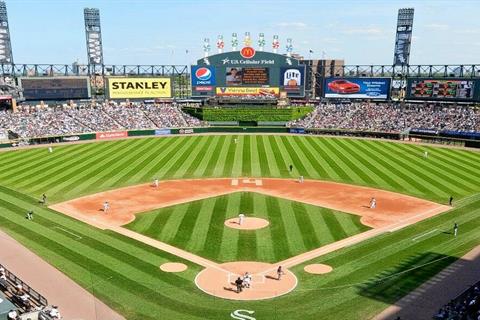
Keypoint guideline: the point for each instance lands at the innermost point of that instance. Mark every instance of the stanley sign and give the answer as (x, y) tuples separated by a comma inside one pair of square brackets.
[(139, 88)]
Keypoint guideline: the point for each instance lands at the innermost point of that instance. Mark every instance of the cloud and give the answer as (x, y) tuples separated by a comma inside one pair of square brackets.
[(437, 26), (372, 31), (297, 25)]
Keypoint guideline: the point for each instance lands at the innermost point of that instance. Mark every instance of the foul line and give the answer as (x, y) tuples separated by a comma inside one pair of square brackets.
[(423, 235), (71, 233)]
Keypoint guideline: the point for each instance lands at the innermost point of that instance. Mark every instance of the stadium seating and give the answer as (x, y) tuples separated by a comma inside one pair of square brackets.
[(391, 117)]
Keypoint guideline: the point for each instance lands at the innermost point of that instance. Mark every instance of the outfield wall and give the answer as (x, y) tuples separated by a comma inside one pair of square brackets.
[(427, 137)]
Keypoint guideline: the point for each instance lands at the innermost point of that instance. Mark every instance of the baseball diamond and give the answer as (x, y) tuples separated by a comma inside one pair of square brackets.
[(205, 180)]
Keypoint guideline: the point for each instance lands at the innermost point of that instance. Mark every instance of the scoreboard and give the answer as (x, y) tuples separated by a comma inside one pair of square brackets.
[(55, 88), (443, 89), (255, 73)]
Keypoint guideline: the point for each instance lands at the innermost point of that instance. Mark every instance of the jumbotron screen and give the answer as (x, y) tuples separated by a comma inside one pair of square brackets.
[(441, 89), (55, 88), (236, 76)]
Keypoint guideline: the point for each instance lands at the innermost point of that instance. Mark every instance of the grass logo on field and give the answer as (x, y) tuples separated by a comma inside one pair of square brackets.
[(240, 315)]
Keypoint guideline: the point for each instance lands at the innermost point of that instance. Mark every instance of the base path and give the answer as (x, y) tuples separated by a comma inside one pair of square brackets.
[(126, 202), (75, 303)]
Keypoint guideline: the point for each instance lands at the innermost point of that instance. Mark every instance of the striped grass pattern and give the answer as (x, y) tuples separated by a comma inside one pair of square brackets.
[(366, 276), (294, 228)]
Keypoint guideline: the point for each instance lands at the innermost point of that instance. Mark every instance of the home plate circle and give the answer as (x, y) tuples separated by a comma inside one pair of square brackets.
[(249, 223), (220, 281), (318, 268), (173, 267)]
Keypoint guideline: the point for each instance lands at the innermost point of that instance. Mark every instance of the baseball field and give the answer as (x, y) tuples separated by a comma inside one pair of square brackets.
[(124, 272)]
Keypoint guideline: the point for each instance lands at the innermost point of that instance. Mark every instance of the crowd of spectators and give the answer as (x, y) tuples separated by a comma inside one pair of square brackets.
[(28, 303), (40, 121), (464, 307), (391, 117)]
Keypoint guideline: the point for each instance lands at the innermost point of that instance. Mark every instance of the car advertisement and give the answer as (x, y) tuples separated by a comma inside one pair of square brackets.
[(203, 76), (139, 88), (357, 88), (247, 91)]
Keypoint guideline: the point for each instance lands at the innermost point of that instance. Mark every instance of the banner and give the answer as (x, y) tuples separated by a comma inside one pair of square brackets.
[(247, 91), (297, 130), (162, 132), (357, 88), (111, 135), (139, 88)]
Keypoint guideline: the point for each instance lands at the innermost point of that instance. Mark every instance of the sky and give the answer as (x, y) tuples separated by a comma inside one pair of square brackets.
[(172, 32)]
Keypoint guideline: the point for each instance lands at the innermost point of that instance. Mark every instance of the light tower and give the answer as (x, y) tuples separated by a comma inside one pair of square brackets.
[(403, 40), (93, 33), (6, 56)]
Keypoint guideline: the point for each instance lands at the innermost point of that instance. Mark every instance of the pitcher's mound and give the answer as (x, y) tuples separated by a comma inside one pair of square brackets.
[(249, 223), (220, 282), (318, 268), (173, 267)]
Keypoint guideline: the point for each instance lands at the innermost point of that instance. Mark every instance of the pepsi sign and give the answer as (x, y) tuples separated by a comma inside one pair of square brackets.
[(203, 75)]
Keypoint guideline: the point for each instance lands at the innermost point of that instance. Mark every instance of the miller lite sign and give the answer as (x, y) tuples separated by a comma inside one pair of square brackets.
[(292, 78)]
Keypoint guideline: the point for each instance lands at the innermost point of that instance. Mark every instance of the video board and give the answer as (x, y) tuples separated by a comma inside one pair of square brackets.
[(248, 72), (442, 89), (55, 88), (357, 88), (236, 76)]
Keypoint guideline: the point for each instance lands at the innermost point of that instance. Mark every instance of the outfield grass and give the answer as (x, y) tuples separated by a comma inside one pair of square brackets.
[(128, 271), (198, 227)]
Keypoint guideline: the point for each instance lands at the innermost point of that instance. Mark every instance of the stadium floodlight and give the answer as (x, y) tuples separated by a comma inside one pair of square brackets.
[(403, 40), (5, 43), (93, 35)]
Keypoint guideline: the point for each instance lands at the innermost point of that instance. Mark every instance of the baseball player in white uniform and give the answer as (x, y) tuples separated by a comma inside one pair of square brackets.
[(106, 206), (241, 217), (373, 203), (155, 183)]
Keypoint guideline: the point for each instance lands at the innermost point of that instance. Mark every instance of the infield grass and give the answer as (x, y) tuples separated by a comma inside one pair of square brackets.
[(294, 228)]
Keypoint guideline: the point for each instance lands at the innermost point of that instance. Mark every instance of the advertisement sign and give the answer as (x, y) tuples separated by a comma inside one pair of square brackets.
[(139, 88), (162, 132), (55, 88), (203, 76), (185, 131), (250, 91), (292, 79), (111, 135), (71, 138), (441, 89), (357, 88), (297, 130)]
